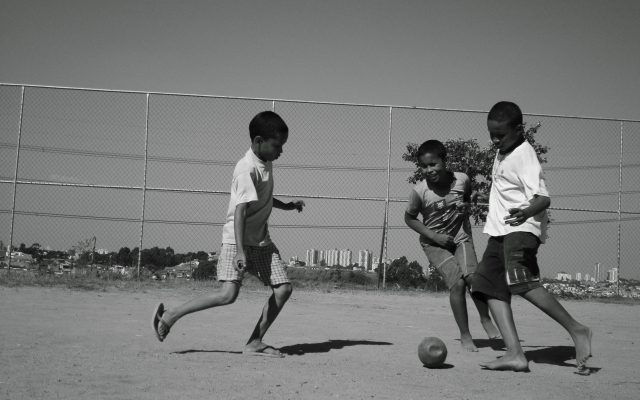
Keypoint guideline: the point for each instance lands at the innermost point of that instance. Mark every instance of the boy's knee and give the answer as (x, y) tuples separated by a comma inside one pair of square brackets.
[(230, 294), (283, 291), (459, 286)]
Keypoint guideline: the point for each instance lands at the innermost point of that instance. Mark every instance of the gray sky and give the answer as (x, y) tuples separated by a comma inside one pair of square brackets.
[(568, 58), (575, 57)]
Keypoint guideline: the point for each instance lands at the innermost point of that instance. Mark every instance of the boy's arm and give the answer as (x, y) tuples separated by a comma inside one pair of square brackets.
[(439, 238), (537, 205), (239, 218), (414, 206), (292, 205)]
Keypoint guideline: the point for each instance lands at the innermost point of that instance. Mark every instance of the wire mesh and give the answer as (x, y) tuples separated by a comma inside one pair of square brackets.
[(80, 179)]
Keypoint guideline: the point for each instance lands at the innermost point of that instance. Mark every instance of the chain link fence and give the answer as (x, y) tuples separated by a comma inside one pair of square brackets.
[(121, 171)]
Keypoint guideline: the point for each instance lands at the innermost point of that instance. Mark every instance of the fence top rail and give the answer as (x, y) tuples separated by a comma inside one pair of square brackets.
[(305, 101)]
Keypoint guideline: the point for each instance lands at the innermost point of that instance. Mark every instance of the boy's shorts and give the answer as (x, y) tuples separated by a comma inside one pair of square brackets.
[(454, 262), (264, 262), (509, 266)]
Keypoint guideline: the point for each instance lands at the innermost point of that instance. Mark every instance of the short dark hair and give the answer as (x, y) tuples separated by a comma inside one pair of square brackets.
[(506, 111), (267, 125), (434, 147)]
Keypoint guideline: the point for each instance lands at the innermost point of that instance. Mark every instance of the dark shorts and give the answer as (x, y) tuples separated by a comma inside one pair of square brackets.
[(453, 263), (509, 266)]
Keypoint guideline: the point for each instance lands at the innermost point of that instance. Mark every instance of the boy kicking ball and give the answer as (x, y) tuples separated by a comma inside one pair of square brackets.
[(445, 233), (246, 245), (517, 223)]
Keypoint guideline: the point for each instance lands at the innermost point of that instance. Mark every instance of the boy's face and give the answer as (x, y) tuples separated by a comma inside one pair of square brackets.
[(269, 149), (432, 167), (503, 135)]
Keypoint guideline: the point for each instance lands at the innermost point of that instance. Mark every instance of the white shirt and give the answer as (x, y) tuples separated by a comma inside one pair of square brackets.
[(517, 178), (252, 183)]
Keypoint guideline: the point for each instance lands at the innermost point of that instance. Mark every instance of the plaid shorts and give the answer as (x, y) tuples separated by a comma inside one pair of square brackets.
[(263, 262), (453, 263)]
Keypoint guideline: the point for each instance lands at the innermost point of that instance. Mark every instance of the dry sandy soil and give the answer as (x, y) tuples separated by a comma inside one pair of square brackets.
[(57, 343)]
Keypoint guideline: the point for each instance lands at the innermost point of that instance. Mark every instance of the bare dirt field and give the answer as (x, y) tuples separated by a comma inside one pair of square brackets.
[(57, 343)]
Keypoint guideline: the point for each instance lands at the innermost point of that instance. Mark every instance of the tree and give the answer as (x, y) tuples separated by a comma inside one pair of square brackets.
[(205, 270), (466, 155), (405, 274), (435, 280), (123, 256)]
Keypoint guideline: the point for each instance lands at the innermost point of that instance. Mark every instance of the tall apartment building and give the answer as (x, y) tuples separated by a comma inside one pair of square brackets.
[(345, 257), (312, 257), (364, 259), (332, 257)]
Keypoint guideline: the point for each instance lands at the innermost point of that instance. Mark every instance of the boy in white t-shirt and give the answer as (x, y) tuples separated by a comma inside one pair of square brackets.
[(246, 245), (442, 198), (517, 223)]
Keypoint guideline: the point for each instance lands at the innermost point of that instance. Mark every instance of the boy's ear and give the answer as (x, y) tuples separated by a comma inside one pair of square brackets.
[(258, 139)]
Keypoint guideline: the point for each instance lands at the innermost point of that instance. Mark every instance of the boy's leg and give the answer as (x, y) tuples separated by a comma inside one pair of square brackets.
[(447, 262), (580, 334), (485, 319), (514, 358), (270, 311), (523, 277), (466, 255), (271, 271), (458, 301), (489, 285), (226, 295)]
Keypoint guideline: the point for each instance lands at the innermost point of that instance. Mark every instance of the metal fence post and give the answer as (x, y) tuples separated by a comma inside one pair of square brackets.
[(619, 206), (144, 182), (15, 179), (385, 226)]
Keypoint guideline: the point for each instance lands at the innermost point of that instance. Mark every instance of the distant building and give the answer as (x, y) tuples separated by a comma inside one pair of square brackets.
[(578, 276), (332, 257), (312, 257), (345, 257), (612, 275), (364, 259), (563, 276)]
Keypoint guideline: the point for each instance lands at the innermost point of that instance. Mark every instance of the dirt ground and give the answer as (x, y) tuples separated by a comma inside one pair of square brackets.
[(57, 343)]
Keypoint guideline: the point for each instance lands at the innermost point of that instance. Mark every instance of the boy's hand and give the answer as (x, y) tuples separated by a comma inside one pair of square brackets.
[(443, 240), (297, 205), (516, 217), (240, 263), (463, 207)]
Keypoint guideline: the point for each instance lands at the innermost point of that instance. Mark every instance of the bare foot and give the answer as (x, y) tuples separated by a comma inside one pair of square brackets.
[(508, 362), (582, 340), (492, 331), (467, 343), (258, 348)]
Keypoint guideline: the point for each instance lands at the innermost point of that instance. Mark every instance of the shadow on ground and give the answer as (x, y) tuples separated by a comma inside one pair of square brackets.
[(205, 351), (495, 344), (324, 347), (555, 355)]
